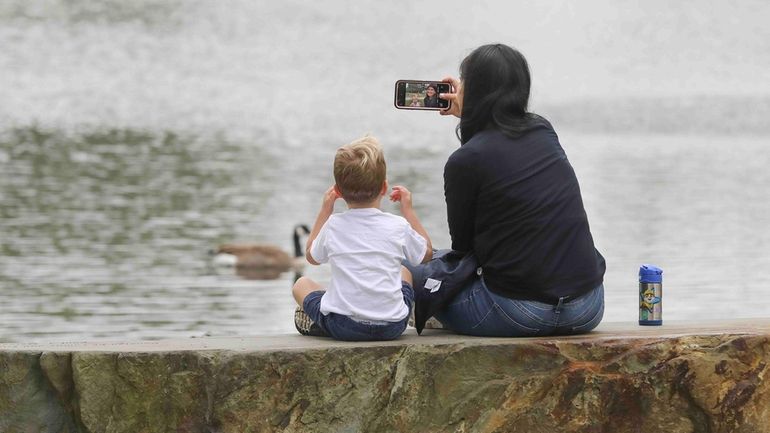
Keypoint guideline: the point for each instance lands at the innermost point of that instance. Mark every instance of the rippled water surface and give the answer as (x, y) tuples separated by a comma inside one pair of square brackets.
[(136, 136)]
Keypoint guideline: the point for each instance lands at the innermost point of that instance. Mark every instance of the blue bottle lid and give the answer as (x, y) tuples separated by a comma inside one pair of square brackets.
[(650, 274)]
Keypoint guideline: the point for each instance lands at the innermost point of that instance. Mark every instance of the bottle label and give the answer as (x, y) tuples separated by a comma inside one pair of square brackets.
[(650, 302)]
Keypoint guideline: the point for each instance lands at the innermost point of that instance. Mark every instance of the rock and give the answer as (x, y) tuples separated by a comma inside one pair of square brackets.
[(132, 392), (57, 368), (616, 380), (28, 402)]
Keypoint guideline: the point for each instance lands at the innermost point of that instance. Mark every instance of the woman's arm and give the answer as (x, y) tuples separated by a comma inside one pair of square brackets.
[(460, 192)]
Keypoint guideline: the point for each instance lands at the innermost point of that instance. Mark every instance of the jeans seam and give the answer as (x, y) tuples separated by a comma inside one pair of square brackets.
[(596, 314), (556, 316), (529, 314), (586, 312), (514, 321), (472, 295), (484, 318), (546, 307)]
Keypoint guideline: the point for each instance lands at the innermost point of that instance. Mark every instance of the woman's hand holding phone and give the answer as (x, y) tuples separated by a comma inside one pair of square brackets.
[(456, 98)]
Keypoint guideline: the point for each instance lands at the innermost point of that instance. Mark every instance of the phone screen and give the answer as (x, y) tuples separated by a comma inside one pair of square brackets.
[(421, 95)]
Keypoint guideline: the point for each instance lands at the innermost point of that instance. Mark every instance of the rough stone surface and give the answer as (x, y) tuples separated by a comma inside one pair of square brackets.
[(619, 379)]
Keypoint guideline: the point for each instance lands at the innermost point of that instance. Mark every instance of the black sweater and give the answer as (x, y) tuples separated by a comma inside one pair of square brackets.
[(517, 204)]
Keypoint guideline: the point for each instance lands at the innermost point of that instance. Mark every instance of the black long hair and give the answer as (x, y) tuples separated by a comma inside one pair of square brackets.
[(431, 101), (496, 85)]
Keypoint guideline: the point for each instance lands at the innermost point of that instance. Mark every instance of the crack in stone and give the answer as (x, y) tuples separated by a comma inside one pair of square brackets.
[(398, 373)]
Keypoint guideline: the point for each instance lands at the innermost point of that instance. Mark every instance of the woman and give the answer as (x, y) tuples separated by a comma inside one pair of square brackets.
[(513, 199), (431, 96)]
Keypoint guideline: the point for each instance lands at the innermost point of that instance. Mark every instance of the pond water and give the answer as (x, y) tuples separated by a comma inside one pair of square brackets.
[(135, 137)]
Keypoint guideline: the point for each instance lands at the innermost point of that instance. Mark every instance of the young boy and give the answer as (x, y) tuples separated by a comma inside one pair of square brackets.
[(370, 294)]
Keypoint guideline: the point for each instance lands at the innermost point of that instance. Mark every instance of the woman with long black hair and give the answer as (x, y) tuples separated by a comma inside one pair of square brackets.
[(431, 96), (513, 200)]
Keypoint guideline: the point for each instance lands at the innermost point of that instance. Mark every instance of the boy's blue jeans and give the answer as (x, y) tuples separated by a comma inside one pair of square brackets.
[(341, 327)]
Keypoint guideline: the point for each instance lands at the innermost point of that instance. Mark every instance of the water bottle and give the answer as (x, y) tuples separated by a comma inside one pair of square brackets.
[(650, 295)]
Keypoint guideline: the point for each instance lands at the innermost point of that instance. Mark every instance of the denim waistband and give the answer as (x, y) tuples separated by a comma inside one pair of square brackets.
[(549, 300), (558, 302), (369, 321)]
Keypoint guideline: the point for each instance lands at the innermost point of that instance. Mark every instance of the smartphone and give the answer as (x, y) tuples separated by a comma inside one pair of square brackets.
[(421, 95)]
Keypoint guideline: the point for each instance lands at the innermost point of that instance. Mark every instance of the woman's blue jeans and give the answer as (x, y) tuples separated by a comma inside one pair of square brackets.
[(478, 311)]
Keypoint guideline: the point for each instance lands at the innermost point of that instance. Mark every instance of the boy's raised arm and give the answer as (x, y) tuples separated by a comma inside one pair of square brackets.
[(327, 208), (404, 197)]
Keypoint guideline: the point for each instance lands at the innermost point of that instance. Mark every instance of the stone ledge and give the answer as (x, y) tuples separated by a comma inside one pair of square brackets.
[(680, 377), (605, 331)]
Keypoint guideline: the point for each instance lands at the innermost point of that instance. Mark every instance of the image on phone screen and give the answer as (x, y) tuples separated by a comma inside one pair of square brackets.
[(421, 95)]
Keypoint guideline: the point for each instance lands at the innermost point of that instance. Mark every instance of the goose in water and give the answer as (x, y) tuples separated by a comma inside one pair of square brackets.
[(260, 261)]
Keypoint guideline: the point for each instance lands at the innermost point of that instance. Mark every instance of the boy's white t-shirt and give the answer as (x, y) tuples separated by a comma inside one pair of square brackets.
[(365, 248)]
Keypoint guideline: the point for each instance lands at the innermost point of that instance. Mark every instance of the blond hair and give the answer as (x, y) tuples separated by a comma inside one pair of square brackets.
[(359, 170)]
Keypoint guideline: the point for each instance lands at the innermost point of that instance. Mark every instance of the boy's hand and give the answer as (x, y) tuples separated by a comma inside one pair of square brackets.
[(402, 195), (329, 197), (327, 208)]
